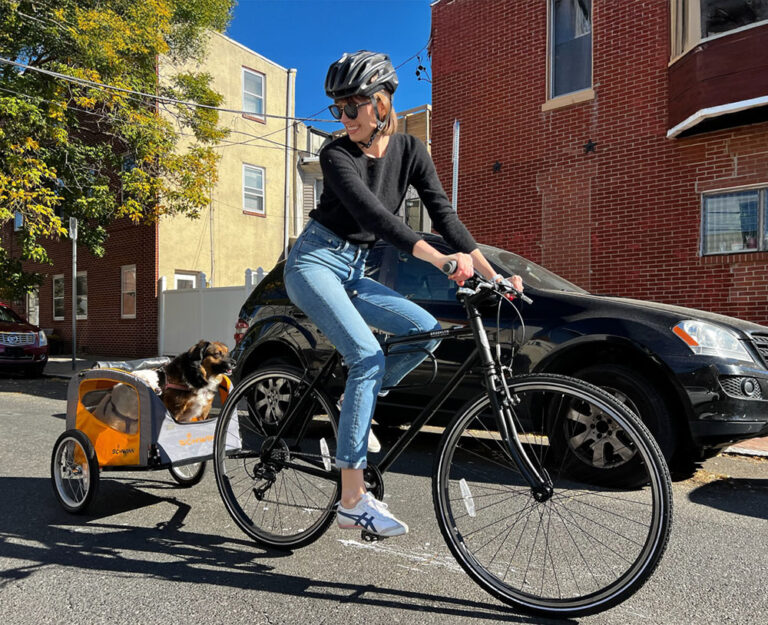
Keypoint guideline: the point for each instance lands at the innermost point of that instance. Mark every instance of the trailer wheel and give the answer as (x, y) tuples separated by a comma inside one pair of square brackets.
[(74, 471), (187, 475)]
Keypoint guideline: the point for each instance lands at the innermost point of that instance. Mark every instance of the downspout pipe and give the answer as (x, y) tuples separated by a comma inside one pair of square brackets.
[(290, 79)]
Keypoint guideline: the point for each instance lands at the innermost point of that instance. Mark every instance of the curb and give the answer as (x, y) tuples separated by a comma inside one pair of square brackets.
[(736, 450)]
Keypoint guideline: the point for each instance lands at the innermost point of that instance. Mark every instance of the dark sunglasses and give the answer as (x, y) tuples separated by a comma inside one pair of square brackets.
[(349, 109)]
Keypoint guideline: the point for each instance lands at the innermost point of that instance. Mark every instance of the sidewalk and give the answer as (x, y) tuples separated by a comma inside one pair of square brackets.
[(61, 367), (751, 447)]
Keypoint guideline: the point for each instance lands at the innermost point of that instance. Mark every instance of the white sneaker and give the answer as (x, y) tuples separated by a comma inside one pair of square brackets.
[(374, 445), (370, 515)]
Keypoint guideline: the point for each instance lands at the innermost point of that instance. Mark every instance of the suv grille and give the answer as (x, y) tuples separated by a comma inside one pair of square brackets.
[(26, 338), (760, 341)]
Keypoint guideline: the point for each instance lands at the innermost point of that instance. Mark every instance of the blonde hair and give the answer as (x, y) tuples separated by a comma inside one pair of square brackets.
[(390, 126)]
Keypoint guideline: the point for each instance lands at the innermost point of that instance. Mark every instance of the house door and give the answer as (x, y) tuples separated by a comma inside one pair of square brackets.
[(33, 307)]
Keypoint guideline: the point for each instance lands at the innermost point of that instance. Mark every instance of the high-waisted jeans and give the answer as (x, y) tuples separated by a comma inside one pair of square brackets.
[(320, 271)]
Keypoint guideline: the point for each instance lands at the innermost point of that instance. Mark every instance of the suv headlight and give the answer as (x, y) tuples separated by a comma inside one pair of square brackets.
[(708, 339), (42, 340)]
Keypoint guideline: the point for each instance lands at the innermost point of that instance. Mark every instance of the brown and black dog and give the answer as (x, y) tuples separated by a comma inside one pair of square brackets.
[(188, 384)]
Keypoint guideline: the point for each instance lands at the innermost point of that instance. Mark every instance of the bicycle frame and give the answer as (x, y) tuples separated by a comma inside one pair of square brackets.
[(501, 402)]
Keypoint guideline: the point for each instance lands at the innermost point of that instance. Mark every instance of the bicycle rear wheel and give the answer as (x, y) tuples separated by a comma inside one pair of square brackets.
[(284, 499), (592, 544)]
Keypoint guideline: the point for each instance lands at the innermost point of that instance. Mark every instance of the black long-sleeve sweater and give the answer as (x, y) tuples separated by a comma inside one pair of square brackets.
[(362, 194)]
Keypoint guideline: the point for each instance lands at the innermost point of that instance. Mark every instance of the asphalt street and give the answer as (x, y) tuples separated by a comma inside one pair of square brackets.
[(148, 551)]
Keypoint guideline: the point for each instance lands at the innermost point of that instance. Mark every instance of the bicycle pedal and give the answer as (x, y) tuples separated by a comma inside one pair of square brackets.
[(370, 538)]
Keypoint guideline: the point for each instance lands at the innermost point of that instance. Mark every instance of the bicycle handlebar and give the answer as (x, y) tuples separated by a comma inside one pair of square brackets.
[(502, 287)]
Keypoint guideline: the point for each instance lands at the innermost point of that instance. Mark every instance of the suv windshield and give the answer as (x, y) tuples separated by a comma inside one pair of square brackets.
[(532, 274), (6, 314)]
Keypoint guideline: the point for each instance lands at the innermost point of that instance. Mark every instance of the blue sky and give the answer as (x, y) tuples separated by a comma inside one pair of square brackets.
[(309, 35)]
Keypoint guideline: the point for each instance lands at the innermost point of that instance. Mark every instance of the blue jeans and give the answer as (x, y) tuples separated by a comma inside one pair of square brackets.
[(321, 268)]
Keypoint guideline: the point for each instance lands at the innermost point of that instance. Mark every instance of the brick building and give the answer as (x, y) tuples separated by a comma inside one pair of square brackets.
[(623, 145)]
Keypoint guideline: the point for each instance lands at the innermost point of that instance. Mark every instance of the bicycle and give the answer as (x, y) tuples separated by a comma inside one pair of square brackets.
[(519, 512)]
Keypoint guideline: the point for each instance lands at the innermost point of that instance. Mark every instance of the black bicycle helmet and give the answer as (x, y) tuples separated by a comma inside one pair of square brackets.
[(361, 73)]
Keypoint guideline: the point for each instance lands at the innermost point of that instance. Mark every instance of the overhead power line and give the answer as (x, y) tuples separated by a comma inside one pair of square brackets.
[(152, 96), (219, 144)]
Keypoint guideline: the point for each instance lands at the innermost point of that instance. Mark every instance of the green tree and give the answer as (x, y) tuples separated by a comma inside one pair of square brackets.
[(99, 154)]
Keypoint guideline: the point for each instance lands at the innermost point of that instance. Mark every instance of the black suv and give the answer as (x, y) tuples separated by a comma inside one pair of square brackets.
[(698, 380)]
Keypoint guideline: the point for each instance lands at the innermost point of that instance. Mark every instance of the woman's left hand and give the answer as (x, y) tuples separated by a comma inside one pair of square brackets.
[(517, 282)]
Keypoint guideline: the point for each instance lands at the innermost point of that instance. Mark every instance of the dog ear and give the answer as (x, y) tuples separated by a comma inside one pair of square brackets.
[(202, 347)]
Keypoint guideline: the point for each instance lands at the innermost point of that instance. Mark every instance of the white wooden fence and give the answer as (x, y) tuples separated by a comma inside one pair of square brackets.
[(188, 315)]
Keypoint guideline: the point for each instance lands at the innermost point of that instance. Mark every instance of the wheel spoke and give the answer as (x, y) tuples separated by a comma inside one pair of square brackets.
[(272, 487), (581, 548)]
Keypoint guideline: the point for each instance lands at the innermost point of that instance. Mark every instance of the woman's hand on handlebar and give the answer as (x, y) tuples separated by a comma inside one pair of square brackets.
[(517, 282), (464, 266)]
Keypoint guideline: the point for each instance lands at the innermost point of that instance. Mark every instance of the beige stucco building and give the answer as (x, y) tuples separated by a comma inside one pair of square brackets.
[(251, 212)]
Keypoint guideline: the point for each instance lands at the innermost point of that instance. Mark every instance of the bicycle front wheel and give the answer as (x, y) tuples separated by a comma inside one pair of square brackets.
[(590, 545), (282, 498)]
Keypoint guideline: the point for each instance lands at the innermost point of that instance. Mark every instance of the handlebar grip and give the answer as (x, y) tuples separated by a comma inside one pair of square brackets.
[(450, 267)]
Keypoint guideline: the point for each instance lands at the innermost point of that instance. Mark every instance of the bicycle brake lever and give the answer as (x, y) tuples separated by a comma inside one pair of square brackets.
[(451, 265)]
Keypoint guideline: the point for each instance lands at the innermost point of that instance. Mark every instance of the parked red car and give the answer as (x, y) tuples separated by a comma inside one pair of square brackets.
[(23, 347)]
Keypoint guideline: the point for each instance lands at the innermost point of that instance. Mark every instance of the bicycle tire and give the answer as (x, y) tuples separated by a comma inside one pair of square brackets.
[(588, 547), (277, 505)]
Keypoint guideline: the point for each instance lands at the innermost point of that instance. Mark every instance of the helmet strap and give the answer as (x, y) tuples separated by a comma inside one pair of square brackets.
[(379, 125)]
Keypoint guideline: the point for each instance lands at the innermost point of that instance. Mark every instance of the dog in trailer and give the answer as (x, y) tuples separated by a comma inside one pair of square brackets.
[(188, 384)]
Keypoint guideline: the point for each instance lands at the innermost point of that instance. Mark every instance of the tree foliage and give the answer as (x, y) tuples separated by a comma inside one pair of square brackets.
[(99, 154)]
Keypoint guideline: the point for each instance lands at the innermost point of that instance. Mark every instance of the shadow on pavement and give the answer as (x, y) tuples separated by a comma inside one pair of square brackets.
[(747, 497), (50, 388), (37, 533)]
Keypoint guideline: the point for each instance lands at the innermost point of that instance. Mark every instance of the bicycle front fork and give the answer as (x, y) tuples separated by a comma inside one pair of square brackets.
[(537, 476), (502, 403)]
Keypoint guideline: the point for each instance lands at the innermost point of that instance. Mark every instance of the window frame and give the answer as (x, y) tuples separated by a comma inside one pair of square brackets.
[(762, 220), (252, 115), (578, 95), (185, 275), (685, 28), (263, 211), (54, 279), (79, 274), (123, 270)]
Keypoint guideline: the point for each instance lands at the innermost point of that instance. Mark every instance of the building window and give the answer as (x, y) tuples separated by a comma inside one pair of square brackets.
[(58, 297), (184, 280), (128, 292), (253, 94), (253, 190), (695, 20), (570, 55), (735, 222), (18, 221), (82, 294)]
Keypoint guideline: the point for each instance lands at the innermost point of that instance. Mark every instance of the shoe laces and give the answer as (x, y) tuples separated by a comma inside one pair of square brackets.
[(379, 506)]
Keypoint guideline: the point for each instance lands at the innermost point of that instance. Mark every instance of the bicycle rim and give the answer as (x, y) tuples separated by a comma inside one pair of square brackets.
[(273, 498), (588, 547)]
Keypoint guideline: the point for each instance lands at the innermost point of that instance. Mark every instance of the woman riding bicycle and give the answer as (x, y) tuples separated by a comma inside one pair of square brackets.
[(366, 174)]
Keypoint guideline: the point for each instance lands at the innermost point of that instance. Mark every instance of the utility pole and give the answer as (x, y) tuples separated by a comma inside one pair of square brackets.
[(455, 159), (73, 236)]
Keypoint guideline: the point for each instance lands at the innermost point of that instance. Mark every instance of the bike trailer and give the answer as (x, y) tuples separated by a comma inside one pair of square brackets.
[(128, 424)]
